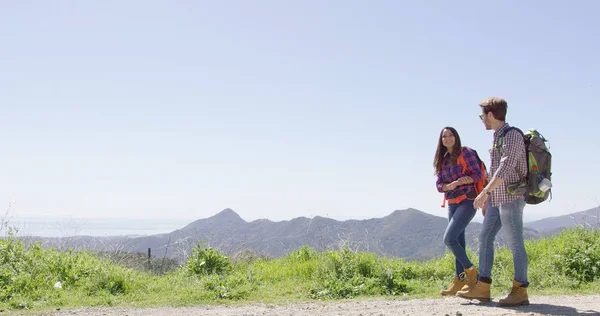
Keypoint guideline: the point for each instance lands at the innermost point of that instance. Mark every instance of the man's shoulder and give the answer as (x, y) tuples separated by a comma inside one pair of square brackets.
[(514, 137), (513, 131)]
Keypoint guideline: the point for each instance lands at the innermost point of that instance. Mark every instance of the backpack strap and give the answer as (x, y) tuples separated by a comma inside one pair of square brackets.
[(461, 160), (511, 128), (500, 143)]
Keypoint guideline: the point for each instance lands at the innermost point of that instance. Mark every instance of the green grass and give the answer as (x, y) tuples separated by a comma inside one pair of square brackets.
[(567, 263)]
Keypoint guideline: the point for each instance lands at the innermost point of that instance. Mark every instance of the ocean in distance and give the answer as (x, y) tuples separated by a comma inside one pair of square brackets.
[(69, 226)]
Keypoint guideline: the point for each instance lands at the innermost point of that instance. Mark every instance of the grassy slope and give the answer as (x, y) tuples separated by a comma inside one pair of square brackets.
[(567, 263)]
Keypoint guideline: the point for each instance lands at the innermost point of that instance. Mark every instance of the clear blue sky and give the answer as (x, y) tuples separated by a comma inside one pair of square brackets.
[(280, 109)]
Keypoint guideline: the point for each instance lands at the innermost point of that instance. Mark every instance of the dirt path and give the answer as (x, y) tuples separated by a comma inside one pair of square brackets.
[(540, 305)]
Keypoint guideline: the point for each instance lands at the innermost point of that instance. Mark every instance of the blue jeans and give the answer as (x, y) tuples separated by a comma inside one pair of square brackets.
[(508, 216), (459, 216)]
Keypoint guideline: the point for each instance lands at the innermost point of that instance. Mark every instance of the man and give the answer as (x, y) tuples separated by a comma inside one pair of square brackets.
[(500, 209)]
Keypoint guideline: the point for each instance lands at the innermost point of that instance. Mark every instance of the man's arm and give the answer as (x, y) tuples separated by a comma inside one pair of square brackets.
[(508, 161)]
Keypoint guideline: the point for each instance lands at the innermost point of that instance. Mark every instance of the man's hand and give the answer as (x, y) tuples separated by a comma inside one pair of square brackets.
[(481, 200), (484, 208)]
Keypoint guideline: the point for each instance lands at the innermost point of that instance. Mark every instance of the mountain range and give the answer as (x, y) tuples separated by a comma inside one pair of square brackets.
[(409, 234)]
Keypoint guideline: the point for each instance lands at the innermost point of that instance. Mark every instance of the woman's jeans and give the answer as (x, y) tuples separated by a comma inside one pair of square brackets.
[(508, 216), (459, 216)]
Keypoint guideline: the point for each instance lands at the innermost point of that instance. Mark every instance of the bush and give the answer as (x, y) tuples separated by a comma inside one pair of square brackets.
[(29, 272), (206, 260), (394, 283), (579, 258), (303, 254), (19, 273), (346, 274)]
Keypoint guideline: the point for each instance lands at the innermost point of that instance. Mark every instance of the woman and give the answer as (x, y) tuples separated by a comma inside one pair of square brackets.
[(456, 182)]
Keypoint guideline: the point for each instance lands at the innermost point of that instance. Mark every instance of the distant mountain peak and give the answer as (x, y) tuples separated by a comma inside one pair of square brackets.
[(228, 214), (405, 211)]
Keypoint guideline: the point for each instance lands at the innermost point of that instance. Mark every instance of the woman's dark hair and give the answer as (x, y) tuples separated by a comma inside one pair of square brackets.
[(438, 159)]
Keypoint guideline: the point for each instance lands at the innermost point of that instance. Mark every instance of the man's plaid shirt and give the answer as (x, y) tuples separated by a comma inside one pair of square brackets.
[(509, 164)]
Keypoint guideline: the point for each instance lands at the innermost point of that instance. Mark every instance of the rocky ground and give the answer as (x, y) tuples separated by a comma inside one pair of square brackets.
[(540, 305)]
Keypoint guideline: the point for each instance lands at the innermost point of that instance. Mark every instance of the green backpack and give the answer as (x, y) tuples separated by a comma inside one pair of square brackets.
[(539, 165)]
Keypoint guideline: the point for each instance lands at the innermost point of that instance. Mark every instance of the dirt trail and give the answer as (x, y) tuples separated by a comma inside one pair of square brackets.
[(540, 305)]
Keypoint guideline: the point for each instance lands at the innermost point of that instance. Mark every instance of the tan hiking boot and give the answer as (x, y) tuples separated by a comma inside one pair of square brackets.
[(457, 284), (517, 296), (480, 291), (471, 278)]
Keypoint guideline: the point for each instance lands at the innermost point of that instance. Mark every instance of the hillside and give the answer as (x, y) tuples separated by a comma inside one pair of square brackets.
[(551, 225), (409, 234)]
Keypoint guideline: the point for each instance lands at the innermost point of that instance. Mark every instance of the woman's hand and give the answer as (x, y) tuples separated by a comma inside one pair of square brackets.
[(465, 180), (452, 185), (460, 181)]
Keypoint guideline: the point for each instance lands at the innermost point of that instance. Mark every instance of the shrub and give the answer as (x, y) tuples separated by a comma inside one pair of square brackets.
[(206, 260), (579, 258), (303, 254), (345, 274)]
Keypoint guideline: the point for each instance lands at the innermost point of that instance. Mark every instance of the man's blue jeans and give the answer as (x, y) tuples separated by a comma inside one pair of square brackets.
[(459, 216), (508, 216)]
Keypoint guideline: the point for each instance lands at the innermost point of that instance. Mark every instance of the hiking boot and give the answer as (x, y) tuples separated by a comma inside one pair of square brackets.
[(471, 278), (517, 296), (480, 291), (458, 282)]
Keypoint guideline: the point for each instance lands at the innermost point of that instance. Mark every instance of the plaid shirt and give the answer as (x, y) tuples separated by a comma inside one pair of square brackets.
[(454, 171), (509, 164)]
